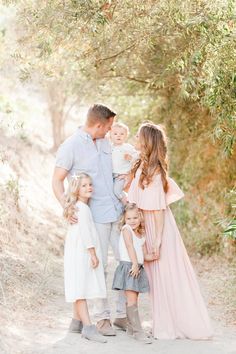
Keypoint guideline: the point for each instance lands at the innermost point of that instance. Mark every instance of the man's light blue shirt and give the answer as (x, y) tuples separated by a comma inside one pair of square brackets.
[(79, 153)]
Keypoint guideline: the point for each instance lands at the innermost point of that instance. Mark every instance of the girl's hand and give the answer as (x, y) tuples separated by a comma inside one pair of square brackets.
[(94, 261), (134, 271)]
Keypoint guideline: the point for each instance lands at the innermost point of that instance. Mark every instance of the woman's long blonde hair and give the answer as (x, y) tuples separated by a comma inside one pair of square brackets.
[(153, 155), (132, 206), (72, 194)]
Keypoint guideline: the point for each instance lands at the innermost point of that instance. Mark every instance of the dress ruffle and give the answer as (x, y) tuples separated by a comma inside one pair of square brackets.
[(154, 197)]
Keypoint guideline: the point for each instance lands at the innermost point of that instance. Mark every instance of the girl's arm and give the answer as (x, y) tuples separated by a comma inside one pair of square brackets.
[(131, 252), (159, 224), (94, 258), (86, 235), (86, 231), (148, 257)]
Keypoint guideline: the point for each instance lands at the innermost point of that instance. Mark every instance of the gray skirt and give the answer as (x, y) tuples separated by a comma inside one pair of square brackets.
[(124, 281)]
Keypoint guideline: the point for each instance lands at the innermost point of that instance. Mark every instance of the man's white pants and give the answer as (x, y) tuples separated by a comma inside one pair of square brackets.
[(109, 233)]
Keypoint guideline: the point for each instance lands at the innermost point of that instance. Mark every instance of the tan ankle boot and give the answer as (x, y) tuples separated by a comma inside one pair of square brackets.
[(134, 325), (121, 323)]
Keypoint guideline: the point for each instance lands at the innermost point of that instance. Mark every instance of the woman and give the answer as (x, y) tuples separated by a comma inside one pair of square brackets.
[(177, 305)]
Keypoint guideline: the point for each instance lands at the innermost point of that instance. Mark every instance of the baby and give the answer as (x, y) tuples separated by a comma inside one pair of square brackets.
[(123, 157)]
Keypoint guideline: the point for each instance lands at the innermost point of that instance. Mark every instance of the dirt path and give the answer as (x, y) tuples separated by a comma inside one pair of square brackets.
[(45, 331)]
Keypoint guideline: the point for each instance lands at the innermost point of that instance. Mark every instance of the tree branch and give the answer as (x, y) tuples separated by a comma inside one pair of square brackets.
[(117, 54)]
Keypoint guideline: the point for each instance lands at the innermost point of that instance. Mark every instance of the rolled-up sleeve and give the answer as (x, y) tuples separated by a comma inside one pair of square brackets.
[(65, 156)]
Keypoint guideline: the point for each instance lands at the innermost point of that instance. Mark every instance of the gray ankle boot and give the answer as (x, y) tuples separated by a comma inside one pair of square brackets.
[(134, 325), (76, 326), (91, 333)]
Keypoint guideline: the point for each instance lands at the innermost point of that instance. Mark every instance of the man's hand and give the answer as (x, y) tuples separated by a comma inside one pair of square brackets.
[(73, 219)]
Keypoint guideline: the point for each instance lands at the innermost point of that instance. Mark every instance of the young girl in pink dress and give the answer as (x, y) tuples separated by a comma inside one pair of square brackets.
[(178, 308)]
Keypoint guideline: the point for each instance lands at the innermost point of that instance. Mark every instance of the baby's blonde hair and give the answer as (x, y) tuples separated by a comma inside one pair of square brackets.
[(72, 194), (121, 125), (133, 206)]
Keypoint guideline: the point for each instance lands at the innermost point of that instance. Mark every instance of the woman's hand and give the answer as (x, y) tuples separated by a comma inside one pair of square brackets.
[(154, 256), (156, 248), (134, 271), (128, 180)]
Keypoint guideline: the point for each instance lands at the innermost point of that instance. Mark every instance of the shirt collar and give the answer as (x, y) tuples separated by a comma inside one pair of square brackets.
[(84, 134)]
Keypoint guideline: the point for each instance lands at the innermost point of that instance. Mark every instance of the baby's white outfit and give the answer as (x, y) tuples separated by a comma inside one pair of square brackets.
[(120, 166)]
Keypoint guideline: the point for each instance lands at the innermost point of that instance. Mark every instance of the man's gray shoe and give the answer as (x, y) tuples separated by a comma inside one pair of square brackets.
[(76, 326), (104, 327), (91, 333), (121, 323)]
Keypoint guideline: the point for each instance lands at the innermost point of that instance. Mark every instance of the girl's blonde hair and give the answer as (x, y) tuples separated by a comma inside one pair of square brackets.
[(72, 194), (153, 155), (132, 206)]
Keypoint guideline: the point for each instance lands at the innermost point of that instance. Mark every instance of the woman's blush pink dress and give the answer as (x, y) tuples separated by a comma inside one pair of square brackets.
[(178, 308)]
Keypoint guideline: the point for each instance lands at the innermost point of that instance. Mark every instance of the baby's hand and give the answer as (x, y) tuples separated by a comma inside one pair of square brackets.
[(128, 157), (94, 261)]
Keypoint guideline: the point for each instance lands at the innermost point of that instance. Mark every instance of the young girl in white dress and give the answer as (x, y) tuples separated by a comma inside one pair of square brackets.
[(130, 275), (83, 270)]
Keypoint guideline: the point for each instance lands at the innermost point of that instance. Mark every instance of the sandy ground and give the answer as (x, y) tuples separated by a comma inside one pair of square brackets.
[(46, 330)]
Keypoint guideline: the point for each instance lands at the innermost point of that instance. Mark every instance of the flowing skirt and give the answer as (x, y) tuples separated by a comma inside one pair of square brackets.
[(177, 305)]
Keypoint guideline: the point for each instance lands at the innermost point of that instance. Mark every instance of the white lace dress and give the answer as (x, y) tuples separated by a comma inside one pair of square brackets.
[(81, 280)]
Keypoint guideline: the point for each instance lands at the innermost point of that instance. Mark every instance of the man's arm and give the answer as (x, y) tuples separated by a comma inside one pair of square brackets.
[(58, 178)]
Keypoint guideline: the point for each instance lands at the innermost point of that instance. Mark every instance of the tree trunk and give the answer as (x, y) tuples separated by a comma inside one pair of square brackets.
[(56, 104), (57, 128)]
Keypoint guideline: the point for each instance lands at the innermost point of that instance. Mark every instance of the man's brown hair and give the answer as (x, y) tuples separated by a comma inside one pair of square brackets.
[(99, 114)]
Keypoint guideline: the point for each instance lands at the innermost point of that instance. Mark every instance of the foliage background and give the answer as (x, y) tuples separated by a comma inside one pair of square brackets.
[(172, 62)]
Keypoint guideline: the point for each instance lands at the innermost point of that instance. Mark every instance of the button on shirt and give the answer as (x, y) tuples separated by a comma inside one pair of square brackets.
[(80, 154)]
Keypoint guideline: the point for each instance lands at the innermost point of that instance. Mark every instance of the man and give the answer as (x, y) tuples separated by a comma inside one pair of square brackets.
[(87, 150)]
